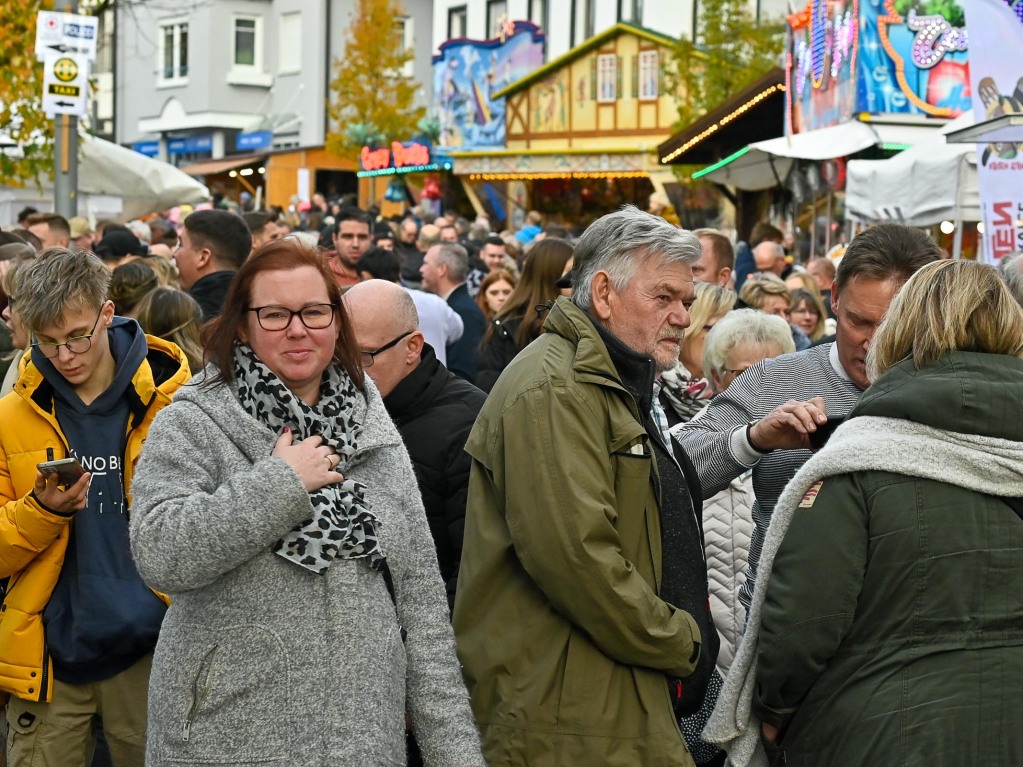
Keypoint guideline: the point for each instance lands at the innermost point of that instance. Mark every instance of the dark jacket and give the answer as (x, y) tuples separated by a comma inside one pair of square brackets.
[(463, 354), (563, 634), (211, 291), (434, 411), (892, 629), (497, 351)]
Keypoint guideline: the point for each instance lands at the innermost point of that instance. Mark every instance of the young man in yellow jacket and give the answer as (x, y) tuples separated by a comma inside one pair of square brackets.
[(77, 624)]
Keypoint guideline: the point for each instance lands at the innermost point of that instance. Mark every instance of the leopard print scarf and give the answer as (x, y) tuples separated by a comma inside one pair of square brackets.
[(342, 524)]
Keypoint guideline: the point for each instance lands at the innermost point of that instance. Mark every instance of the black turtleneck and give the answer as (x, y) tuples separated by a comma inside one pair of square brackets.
[(676, 485)]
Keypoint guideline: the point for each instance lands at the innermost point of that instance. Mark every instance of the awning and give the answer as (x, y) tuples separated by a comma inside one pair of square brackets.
[(212, 167), (766, 164), (944, 183), (755, 114), (1004, 129)]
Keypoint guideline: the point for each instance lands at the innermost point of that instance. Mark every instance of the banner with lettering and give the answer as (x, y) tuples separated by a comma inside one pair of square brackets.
[(996, 73)]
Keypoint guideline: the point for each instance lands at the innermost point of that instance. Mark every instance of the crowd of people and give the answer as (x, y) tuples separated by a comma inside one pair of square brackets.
[(339, 490)]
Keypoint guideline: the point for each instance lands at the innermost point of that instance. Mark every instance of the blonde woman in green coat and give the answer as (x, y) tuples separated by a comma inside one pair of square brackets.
[(891, 631)]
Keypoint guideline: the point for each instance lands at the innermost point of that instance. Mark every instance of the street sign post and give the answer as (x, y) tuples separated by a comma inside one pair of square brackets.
[(66, 43), (65, 84), (66, 33)]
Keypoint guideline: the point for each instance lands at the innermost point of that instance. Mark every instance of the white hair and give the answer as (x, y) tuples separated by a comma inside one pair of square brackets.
[(744, 328)]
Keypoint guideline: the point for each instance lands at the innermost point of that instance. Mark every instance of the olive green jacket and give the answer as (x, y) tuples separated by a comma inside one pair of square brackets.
[(564, 641), (892, 629)]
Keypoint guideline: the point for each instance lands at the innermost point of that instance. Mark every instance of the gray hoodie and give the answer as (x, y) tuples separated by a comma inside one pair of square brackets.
[(259, 660)]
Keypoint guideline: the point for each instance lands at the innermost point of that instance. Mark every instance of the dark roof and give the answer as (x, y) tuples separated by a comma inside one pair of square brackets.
[(755, 114)]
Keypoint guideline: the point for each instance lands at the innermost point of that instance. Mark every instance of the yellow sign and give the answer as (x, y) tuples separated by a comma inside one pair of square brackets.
[(65, 69), (56, 89)]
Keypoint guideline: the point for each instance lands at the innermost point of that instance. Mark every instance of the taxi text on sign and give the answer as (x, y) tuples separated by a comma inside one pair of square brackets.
[(65, 84)]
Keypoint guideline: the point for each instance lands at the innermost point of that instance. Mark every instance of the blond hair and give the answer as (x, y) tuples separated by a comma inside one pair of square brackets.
[(712, 301), (761, 285), (948, 306)]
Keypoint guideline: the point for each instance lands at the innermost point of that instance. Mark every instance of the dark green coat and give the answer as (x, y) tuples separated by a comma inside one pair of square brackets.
[(892, 630), (564, 641)]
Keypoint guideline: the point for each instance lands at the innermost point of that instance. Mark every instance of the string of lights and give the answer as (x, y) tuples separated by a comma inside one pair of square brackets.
[(710, 130)]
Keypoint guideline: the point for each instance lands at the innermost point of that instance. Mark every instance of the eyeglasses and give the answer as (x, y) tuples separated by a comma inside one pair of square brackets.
[(368, 357), (313, 316), (737, 371), (75, 344)]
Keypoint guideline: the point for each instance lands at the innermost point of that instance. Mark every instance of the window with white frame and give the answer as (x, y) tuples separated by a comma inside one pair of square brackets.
[(404, 43), (247, 53), (245, 49), (607, 78), (457, 22), (289, 43), (649, 75), (173, 52)]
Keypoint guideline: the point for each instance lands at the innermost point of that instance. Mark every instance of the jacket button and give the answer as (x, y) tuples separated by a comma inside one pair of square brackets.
[(31, 689), (33, 674)]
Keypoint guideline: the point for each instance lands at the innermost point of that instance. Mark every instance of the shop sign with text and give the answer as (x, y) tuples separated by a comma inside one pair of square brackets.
[(410, 154)]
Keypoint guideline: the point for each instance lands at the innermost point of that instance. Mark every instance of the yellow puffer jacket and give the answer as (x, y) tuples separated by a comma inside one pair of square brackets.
[(32, 540)]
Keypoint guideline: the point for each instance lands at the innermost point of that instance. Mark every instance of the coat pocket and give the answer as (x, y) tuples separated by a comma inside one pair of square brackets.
[(220, 694)]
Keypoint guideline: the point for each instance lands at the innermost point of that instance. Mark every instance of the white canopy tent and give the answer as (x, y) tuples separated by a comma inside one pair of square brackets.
[(113, 182), (765, 164), (931, 182)]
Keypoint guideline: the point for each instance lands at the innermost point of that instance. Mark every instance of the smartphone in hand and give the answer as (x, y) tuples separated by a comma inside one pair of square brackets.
[(68, 470), (819, 438)]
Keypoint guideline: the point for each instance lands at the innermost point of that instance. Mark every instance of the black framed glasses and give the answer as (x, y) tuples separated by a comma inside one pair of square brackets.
[(75, 344), (313, 316), (368, 357)]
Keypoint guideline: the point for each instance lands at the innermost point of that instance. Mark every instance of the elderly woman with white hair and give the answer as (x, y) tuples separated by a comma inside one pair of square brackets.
[(737, 341)]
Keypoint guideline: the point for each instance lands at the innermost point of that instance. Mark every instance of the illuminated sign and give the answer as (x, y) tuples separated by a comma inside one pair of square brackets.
[(401, 157), (921, 65), (410, 154)]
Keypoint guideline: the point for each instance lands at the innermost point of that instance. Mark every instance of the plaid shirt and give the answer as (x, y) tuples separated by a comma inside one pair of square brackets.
[(659, 417)]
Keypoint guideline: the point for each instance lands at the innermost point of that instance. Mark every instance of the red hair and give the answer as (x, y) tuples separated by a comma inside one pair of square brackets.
[(220, 335)]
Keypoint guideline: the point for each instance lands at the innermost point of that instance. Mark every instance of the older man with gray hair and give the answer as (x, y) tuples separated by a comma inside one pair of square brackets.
[(582, 592), (444, 270)]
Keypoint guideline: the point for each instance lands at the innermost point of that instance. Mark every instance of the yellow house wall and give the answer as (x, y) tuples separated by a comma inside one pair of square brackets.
[(560, 112)]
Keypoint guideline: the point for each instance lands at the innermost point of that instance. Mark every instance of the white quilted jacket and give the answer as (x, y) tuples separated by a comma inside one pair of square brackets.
[(727, 527)]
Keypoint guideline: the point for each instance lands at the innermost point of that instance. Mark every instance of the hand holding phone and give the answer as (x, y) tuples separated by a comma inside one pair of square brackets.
[(67, 472), (819, 438)]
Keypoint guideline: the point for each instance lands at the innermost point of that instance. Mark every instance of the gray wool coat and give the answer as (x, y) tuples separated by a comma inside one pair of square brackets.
[(260, 661)]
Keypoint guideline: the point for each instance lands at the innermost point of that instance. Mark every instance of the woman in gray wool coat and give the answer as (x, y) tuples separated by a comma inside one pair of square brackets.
[(275, 504)]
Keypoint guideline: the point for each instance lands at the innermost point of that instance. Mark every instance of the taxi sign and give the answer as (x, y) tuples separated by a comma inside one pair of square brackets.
[(65, 84), (66, 33)]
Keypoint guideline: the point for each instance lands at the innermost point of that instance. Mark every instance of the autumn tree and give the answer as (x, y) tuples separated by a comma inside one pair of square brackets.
[(26, 134), (372, 100), (731, 50)]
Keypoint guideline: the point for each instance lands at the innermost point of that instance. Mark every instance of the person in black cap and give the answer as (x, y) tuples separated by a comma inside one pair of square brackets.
[(119, 245)]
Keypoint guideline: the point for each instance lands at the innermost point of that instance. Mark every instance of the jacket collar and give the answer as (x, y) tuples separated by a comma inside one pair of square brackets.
[(164, 369), (600, 355), (251, 437), (418, 389)]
